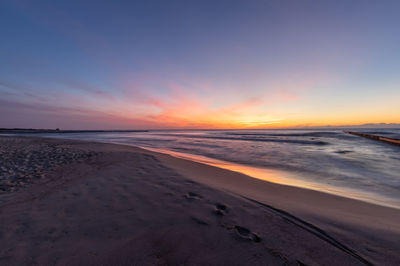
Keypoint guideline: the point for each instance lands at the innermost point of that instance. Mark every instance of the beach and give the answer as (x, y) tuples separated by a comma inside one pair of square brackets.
[(329, 160), (70, 202)]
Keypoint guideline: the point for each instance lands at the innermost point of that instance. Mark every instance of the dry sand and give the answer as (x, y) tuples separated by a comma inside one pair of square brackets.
[(118, 205)]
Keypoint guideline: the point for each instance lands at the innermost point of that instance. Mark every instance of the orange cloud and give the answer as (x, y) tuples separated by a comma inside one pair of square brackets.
[(183, 111)]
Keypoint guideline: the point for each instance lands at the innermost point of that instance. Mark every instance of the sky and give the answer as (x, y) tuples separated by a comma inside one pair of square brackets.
[(198, 63)]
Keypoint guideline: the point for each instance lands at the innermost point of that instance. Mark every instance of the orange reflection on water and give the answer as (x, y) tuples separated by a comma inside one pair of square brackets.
[(282, 177), (270, 175)]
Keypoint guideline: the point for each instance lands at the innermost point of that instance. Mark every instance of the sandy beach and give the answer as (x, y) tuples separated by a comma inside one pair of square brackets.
[(65, 202)]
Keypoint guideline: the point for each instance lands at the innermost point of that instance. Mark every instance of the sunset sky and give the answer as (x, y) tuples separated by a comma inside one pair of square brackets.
[(198, 64)]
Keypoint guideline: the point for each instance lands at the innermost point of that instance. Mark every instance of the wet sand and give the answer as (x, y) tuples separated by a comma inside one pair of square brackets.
[(69, 202)]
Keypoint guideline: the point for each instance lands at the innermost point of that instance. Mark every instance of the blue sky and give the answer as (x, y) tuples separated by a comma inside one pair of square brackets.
[(198, 64)]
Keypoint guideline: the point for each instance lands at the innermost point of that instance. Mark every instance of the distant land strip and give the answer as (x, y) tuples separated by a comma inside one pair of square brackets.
[(374, 137), (32, 130)]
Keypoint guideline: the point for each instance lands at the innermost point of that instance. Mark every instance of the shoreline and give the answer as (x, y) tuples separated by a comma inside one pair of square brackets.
[(301, 176), (276, 176), (279, 177), (365, 232)]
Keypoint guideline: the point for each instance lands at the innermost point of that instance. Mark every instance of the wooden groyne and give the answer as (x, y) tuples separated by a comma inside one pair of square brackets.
[(375, 137)]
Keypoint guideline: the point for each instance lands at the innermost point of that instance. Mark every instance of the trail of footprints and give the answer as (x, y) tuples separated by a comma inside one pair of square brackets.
[(220, 210)]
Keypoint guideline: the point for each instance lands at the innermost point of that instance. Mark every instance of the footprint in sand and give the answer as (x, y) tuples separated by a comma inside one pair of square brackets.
[(193, 196), (301, 263), (200, 220), (246, 234), (220, 209), (189, 182)]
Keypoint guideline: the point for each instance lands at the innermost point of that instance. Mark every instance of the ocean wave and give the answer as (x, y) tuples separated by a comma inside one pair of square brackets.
[(296, 141)]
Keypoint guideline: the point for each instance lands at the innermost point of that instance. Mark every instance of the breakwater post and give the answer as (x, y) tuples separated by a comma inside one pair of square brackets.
[(374, 137)]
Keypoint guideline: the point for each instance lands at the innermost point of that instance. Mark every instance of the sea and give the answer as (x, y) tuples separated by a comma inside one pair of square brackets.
[(327, 160)]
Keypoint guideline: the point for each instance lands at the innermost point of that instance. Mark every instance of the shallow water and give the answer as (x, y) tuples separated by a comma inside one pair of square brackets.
[(326, 160)]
